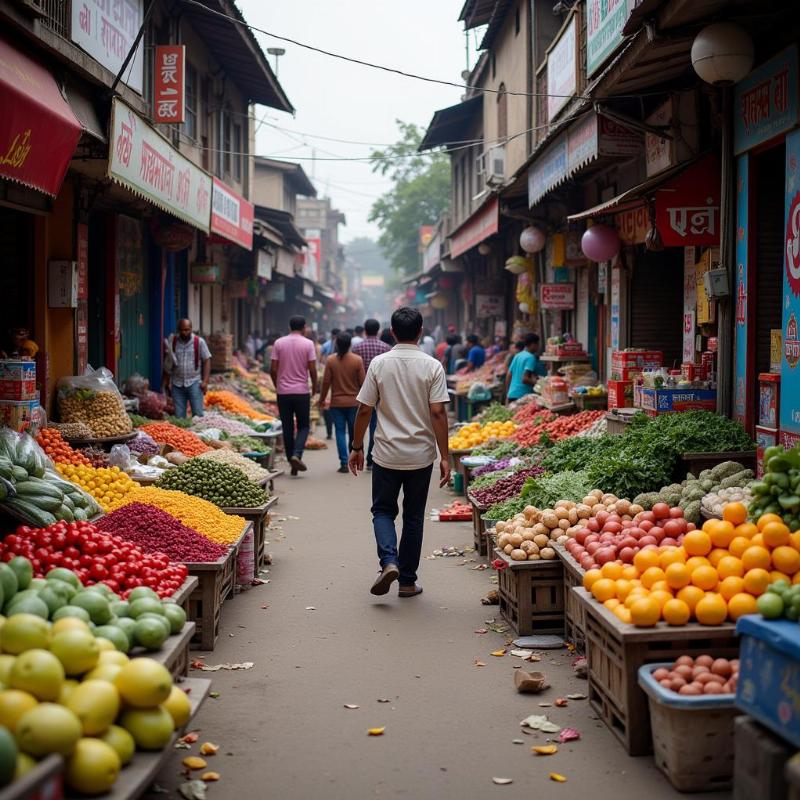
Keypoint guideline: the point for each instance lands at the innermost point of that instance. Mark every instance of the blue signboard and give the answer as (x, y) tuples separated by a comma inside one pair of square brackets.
[(548, 171), (766, 101), (741, 402), (790, 359)]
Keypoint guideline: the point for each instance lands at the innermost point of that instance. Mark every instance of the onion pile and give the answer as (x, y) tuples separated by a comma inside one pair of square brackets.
[(701, 675)]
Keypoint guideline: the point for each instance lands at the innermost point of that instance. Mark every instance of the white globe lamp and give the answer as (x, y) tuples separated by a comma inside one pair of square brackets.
[(722, 53), (532, 239)]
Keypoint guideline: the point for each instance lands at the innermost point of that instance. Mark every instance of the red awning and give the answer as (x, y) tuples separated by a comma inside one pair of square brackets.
[(38, 131), (481, 225)]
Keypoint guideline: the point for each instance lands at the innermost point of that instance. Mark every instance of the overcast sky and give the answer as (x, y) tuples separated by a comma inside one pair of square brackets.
[(340, 100)]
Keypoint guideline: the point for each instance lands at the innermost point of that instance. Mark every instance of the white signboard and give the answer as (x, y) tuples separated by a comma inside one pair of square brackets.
[(488, 305), (106, 30), (264, 262), (689, 304), (605, 20), (562, 69), (144, 161)]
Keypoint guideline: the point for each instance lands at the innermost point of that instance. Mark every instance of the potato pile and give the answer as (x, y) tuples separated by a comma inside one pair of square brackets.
[(103, 411)]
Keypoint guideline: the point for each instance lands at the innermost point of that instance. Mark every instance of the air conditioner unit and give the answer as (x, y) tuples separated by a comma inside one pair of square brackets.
[(495, 173)]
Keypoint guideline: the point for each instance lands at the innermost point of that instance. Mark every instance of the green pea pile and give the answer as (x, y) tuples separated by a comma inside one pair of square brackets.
[(221, 484)]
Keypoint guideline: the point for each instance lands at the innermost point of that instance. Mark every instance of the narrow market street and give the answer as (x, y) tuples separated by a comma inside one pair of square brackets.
[(319, 640)]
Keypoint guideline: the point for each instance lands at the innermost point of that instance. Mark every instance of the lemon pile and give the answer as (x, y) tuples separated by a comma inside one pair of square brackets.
[(474, 434), (65, 691), (106, 484)]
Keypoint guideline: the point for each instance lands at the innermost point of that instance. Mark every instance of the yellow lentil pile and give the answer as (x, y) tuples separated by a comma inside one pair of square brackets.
[(194, 512), (106, 484)]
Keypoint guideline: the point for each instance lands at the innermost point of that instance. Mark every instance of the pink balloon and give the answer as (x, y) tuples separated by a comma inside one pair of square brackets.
[(600, 243)]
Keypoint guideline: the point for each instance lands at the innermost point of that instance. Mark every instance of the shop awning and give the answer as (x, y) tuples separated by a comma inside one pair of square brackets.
[(448, 124), (485, 222), (326, 291), (282, 221), (83, 108), (38, 130)]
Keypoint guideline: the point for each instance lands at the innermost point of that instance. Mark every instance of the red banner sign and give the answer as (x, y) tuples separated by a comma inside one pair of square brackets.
[(557, 296), (38, 131), (231, 215), (169, 84), (481, 225)]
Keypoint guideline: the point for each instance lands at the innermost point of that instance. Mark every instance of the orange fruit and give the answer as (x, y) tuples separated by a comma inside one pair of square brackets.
[(629, 572), (738, 546), (660, 586), (756, 581), (730, 565), (786, 559), (741, 604), (756, 557), (746, 529), (636, 594), (651, 576), (735, 513), (722, 534), (661, 597), (705, 578), (646, 558), (777, 575), (796, 579), (676, 612), (711, 610), (604, 589), (612, 603), (623, 588), (758, 540), (590, 577), (766, 519), (697, 561), (697, 543), (611, 570), (730, 586), (623, 614), (716, 555), (775, 534), (645, 613), (691, 595), (671, 555), (794, 539), (677, 576)]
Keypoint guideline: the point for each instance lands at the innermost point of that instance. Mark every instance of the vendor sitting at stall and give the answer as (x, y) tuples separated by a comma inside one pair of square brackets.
[(524, 370), (476, 356), (20, 345)]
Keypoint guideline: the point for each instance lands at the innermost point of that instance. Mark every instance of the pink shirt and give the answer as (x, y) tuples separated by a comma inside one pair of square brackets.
[(293, 354)]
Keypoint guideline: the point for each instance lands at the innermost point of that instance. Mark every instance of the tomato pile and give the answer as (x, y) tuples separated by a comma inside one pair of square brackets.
[(556, 429), (95, 557), (52, 442)]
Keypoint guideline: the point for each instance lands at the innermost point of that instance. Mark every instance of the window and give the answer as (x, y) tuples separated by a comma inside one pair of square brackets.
[(205, 115), (226, 142), (502, 112), (237, 152), (190, 124)]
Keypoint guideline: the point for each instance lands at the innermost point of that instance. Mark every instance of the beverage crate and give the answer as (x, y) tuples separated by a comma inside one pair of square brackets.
[(220, 346), (531, 595), (478, 529), (574, 611), (760, 762), (620, 393), (692, 736), (616, 650)]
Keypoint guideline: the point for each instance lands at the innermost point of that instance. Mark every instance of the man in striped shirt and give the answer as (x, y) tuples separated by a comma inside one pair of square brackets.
[(368, 348)]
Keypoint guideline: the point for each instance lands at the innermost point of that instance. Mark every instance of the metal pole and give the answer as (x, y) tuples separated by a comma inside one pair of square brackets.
[(134, 46)]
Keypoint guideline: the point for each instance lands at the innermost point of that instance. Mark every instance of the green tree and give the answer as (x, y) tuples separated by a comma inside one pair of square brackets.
[(420, 193)]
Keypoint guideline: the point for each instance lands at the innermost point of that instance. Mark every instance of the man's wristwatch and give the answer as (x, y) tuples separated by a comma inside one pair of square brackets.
[(354, 449)]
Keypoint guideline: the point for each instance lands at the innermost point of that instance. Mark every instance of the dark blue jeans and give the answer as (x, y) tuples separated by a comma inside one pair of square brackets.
[(344, 420), (289, 407), (191, 394), (386, 486), (373, 423)]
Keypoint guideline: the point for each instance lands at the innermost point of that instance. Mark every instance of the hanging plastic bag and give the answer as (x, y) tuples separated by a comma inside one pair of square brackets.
[(120, 456), (95, 400)]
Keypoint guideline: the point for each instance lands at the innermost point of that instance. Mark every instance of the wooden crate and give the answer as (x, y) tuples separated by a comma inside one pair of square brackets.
[(257, 518), (261, 538), (174, 655), (531, 595), (615, 650), (45, 780), (574, 611), (478, 529), (183, 593)]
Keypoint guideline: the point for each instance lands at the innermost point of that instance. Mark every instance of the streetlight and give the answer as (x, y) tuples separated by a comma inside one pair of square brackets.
[(277, 52)]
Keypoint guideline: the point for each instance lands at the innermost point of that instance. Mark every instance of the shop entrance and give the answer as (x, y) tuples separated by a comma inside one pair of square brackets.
[(16, 276)]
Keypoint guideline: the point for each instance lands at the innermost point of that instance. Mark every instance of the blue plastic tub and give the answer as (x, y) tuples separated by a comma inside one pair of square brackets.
[(669, 698)]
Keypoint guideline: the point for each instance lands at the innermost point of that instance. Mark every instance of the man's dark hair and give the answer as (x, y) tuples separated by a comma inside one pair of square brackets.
[(531, 338), (473, 339), (388, 338), (359, 330), (407, 324), (520, 344), (343, 344), (452, 339), (371, 327), (335, 332), (297, 323)]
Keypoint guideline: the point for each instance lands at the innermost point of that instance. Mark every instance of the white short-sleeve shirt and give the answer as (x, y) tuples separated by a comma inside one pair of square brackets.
[(402, 384)]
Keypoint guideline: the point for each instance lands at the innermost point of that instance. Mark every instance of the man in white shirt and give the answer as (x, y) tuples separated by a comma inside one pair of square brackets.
[(409, 389), (428, 344)]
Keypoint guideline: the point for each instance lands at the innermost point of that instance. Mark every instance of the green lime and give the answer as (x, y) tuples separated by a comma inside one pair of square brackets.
[(71, 611), (115, 635), (770, 605), (64, 574), (8, 580), (176, 616), (121, 608), (146, 605), (95, 604), (150, 633), (23, 569)]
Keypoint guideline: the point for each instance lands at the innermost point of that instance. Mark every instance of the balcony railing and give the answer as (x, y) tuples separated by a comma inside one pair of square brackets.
[(55, 15)]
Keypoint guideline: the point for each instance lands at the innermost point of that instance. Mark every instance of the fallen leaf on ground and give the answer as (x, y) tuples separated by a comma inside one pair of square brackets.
[(576, 696), (554, 776), (498, 653), (517, 741), (539, 722), (481, 630), (208, 749), (560, 702), (217, 667), (521, 653), (189, 738), (182, 746), (350, 705), (384, 700), (502, 781), (544, 750), (213, 695), (376, 731), (311, 608), (479, 663), (196, 665), (193, 790), (209, 776), (193, 762), (569, 735)]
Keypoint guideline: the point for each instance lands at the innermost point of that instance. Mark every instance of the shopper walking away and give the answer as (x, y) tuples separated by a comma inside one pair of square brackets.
[(524, 370), (371, 347), (186, 370), (410, 391), (427, 345), (358, 335), (343, 378), (327, 348), (476, 356), (387, 337), (294, 361)]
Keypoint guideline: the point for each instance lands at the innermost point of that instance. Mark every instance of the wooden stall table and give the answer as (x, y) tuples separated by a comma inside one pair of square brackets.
[(182, 594), (574, 611), (258, 518), (174, 654)]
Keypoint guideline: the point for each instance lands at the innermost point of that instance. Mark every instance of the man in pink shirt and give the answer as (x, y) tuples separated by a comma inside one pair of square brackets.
[(294, 361)]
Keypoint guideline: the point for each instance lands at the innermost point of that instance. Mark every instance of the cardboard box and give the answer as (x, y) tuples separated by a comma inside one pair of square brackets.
[(765, 437), (769, 390), (17, 415), (626, 374), (636, 359), (620, 394), (769, 674), (665, 401)]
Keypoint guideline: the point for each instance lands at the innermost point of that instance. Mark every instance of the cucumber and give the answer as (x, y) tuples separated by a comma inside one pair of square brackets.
[(80, 514), (65, 513), (19, 473), (31, 512), (36, 487), (26, 454), (68, 502)]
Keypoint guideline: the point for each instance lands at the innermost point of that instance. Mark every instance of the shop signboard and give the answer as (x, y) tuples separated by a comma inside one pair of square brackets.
[(488, 305), (547, 171), (633, 224), (790, 365), (276, 292), (602, 277), (481, 225), (264, 261), (741, 394), (432, 254), (658, 152), (689, 305), (557, 296), (106, 31), (562, 68), (312, 255), (605, 20), (141, 159), (169, 84), (766, 102), (615, 308), (231, 215), (205, 273), (82, 236)]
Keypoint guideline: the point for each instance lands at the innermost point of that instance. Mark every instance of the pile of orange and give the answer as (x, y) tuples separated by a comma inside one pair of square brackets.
[(715, 575)]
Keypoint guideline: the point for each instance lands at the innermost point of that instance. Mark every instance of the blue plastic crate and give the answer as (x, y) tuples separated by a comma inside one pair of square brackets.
[(769, 674), (667, 697)]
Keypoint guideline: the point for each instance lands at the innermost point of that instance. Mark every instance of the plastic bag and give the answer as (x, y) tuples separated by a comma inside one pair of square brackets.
[(143, 443), (136, 385), (95, 400), (120, 456), (479, 391)]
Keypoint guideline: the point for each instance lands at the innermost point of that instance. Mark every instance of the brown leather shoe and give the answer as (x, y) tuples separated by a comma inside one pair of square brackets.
[(297, 464), (410, 591), (389, 574)]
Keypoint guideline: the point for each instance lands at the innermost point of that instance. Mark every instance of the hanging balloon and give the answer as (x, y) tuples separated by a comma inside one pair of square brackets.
[(524, 308), (411, 292), (447, 282), (517, 264), (532, 240), (600, 243)]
